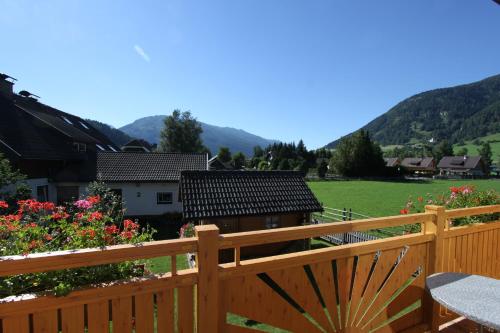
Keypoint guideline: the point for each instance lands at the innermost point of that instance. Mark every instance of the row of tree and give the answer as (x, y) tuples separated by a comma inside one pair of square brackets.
[(355, 156)]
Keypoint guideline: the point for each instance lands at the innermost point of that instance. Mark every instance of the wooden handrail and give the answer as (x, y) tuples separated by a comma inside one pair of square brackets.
[(48, 261), (255, 266), (286, 234), (463, 212)]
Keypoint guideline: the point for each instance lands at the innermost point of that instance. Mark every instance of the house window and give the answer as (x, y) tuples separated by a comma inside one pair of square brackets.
[(100, 147), (112, 148), (79, 147), (164, 198), (272, 222), (42, 193), (84, 125), (67, 120)]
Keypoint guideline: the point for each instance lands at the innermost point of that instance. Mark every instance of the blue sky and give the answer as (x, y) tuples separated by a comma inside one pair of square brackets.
[(281, 69)]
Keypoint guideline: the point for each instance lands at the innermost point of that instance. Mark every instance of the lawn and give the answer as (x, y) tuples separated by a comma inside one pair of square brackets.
[(377, 198)]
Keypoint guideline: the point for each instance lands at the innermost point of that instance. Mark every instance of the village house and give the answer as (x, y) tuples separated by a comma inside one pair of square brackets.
[(61, 153), (462, 166), (138, 145), (147, 182), (419, 165), (239, 201), (216, 164), (57, 151), (392, 162)]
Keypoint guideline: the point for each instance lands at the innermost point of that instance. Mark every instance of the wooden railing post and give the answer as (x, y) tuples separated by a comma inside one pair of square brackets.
[(207, 262), (436, 227)]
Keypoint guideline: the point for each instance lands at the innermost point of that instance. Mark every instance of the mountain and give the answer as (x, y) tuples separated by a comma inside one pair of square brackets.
[(118, 137), (457, 114), (149, 128)]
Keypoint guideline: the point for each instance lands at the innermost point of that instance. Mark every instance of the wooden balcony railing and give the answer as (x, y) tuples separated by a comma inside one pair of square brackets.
[(374, 286)]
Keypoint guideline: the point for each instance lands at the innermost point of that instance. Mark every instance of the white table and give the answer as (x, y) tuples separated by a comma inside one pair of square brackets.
[(475, 297)]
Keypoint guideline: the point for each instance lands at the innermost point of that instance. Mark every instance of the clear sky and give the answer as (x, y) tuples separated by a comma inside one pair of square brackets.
[(281, 69)]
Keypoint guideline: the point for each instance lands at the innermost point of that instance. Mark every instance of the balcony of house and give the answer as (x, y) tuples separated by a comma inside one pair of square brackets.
[(372, 286)]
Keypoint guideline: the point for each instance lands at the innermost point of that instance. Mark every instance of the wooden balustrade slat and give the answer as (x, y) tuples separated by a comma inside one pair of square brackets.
[(72, 319), (45, 322), (144, 314), (16, 324), (185, 309), (165, 310), (122, 314)]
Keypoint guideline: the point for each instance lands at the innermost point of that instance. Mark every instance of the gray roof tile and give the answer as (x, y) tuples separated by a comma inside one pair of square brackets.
[(242, 193)]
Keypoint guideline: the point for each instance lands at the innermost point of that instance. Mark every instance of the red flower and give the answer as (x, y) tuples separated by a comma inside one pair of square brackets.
[(94, 199), (48, 205), (404, 211), (3, 204), (130, 225), (127, 234), (111, 229), (59, 216), (88, 232), (95, 216)]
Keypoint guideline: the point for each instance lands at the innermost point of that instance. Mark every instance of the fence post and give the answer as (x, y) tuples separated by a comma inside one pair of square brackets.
[(436, 227), (207, 262)]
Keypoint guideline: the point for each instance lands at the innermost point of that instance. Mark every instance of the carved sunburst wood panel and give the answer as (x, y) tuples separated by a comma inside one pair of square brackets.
[(375, 292)]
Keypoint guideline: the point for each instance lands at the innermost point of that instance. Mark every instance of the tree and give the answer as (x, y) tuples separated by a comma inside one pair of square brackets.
[(181, 133), (322, 169), (224, 155), (486, 155), (442, 149), (238, 160), (462, 151), (258, 152), (358, 156), (8, 175), (284, 165)]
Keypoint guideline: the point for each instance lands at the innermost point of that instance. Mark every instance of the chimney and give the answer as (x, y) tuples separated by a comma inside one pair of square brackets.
[(6, 86)]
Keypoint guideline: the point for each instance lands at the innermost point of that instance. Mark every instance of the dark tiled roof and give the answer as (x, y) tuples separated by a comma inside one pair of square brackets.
[(207, 194), (459, 162), (32, 130), (418, 163), (146, 167), (391, 161)]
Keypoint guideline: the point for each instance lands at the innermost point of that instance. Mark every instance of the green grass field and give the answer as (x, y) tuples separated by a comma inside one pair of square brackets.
[(377, 198)]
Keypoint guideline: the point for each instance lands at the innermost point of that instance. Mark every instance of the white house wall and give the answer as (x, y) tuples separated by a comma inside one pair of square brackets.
[(140, 199)]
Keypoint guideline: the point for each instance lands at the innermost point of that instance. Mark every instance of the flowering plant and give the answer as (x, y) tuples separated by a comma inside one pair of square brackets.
[(187, 230), (41, 226), (457, 197)]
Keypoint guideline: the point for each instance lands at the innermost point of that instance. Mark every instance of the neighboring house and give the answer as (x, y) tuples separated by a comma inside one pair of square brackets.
[(56, 150), (216, 164), (147, 182), (248, 200), (463, 166), (392, 162), (137, 145), (419, 166)]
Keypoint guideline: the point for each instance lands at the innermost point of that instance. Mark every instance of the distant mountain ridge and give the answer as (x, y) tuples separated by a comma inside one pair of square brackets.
[(457, 114), (149, 128)]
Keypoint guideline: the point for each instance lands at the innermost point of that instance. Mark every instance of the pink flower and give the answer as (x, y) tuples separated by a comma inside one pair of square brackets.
[(83, 204)]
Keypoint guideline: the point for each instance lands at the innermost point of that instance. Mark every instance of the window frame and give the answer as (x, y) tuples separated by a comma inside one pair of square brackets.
[(272, 221), (164, 202)]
